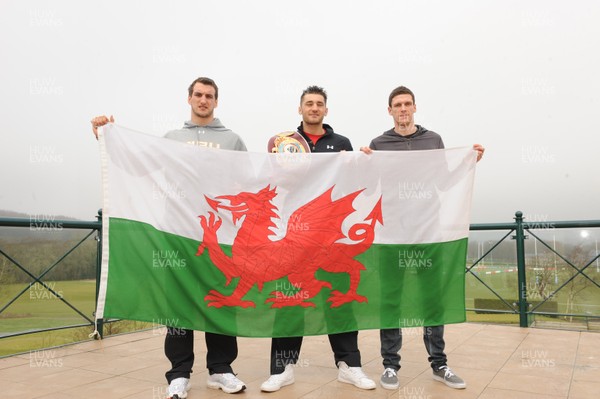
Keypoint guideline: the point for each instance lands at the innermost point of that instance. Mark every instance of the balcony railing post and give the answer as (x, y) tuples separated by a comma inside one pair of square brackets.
[(522, 278), (99, 322)]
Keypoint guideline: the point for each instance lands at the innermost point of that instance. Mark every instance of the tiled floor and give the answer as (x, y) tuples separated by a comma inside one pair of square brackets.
[(495, 361)]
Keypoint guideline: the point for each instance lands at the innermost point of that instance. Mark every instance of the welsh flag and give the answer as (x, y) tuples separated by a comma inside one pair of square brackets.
[(273, 245)]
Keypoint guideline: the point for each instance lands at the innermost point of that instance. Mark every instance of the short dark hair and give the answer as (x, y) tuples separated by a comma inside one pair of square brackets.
[(400, 90), (314, 90), (204, 81)]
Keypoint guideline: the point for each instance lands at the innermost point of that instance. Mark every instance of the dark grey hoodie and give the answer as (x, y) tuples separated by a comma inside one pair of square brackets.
[(213, 135), (422, 139)]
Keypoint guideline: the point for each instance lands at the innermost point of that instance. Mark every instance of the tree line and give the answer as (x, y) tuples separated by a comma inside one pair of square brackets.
[(36, 256)]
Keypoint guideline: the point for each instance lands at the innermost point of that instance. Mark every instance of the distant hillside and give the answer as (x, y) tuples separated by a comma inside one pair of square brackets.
[(12, 214), (38, 229)]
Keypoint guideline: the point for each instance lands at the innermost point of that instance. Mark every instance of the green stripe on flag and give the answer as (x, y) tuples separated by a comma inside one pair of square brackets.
[(156, 277)]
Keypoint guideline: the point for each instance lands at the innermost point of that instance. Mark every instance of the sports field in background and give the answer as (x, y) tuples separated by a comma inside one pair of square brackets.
[(38, 308)]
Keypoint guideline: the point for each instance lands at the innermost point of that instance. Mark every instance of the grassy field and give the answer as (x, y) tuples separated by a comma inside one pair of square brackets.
[(506, 285), (38, 308)]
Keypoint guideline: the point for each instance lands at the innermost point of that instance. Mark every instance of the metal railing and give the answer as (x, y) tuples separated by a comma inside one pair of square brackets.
[(54, 225), (519, 227), (523, 308)]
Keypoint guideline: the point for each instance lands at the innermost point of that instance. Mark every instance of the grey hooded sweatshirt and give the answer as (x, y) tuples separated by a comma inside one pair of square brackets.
[(213, 135), (422, 139)]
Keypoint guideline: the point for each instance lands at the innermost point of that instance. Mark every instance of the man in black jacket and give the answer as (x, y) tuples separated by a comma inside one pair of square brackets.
[(286, 351)]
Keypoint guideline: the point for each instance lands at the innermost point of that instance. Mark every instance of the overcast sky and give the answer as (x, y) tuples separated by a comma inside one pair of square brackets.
[(520, 77)]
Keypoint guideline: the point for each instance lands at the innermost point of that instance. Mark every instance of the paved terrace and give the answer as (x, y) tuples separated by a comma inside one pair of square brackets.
[(495, 361)]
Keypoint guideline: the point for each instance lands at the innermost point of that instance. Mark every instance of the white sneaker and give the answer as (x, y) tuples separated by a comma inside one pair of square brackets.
[(178, 388), (354, 376), (227, 382), (277, 381)]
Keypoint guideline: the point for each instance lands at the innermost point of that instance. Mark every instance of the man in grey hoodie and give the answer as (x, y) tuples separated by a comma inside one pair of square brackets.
[(207, 131), (408, 136)]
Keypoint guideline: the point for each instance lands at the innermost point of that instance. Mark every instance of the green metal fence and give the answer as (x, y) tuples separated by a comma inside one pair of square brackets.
[(519, 231), (95, 232)]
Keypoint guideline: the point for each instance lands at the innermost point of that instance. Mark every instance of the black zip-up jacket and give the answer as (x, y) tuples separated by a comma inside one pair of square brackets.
[(330, 142)]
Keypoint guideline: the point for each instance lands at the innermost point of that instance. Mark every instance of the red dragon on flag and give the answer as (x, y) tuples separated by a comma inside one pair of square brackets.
[(257, 259)]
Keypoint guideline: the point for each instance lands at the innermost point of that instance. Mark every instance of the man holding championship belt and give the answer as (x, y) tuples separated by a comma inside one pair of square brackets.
[(314, 136)]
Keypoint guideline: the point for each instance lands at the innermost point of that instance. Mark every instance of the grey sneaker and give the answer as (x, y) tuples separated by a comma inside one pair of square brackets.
[(227, 382), (389, 379), (445, 375), (178, 388), (354, 376)]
